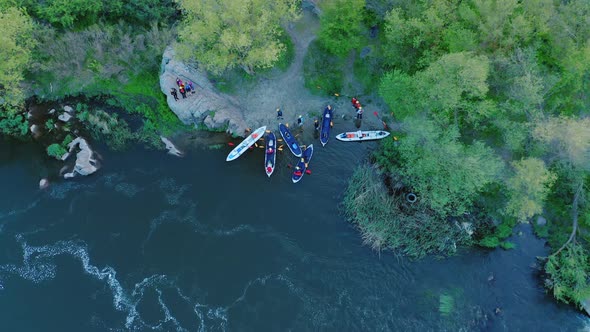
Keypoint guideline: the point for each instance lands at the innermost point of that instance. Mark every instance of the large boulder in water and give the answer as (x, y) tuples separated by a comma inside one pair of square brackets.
[(85, 162), (207, 106)]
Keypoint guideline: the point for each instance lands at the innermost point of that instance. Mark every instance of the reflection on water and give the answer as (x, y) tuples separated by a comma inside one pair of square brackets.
[(153, 242)]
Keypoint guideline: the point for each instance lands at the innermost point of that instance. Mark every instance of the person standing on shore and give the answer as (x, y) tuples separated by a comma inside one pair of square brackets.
[(359, 113), (182, 91), (354, 101), (191, 86), (174, 94), (316, 124)]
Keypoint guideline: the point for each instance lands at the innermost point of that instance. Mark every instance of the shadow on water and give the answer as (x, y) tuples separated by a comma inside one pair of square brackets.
[(154, 242)]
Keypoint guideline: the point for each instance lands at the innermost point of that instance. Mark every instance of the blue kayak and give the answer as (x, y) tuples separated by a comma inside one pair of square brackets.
[(301, 166), (290, 140), (326, 124)]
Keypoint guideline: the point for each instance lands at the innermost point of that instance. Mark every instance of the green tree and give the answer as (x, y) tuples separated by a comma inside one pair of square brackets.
[(446, 173), (16, 45), (452, 88), (56, 151), (528, 188), (399, 92), (223, 34), (341, 25), (569, 272), (568, 139), (413, 37), (451, 85), (67, 13)]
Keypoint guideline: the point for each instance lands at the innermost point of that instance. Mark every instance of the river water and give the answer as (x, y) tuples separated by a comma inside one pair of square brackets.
[(157, 243)]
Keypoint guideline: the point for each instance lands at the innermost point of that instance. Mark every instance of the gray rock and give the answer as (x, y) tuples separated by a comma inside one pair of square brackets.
[(44, 183), (68, 109), (311, 5), (65, 117), (52, 111), (586, 306), (170, 147), (85, 163), (35, 129), (207, 100), (541, 221)]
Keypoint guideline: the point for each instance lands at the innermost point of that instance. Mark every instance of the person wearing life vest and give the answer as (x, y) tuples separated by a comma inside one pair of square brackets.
[(359, 113), (269, 151), (298, 171), (354, 101)]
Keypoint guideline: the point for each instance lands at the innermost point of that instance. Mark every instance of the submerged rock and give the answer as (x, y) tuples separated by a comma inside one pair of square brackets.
[(85, 163), (541, 221), (206, 106), (44, 183), (170, 147)]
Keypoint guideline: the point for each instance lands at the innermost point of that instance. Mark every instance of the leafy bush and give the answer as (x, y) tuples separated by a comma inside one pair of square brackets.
[(14, 125), (83, 13), (341, 25), (323, 73), (55, 150)]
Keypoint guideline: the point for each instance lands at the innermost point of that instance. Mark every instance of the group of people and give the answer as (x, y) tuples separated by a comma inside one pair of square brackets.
[(182, 88), (359, 109), (316, 123)]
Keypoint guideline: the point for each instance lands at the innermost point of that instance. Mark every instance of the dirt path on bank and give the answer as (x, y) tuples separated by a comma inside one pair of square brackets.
[(287, 90)]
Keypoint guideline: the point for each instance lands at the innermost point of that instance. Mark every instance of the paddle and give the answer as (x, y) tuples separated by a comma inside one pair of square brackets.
[(383, 122)]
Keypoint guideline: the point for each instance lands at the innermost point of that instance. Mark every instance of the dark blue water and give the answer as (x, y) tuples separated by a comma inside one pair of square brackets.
[(156, 243)]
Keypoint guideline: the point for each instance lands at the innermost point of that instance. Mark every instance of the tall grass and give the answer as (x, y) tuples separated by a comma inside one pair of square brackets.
[(388, 222)]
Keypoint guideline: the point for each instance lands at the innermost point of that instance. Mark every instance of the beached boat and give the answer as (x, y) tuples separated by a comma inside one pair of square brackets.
[(246, 143), (357, 136), (290, 140), (270, 155), (302, 165), (326, 125)]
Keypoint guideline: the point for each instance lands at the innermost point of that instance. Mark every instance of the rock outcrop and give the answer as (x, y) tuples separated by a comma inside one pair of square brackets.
[(85, 162), (65, 117), (207, 107), (170, 147), (311, 5)]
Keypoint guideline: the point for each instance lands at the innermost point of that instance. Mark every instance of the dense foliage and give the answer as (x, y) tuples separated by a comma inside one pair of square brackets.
[(225, 34), (16, 46), (493, 101), (341, 26)]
